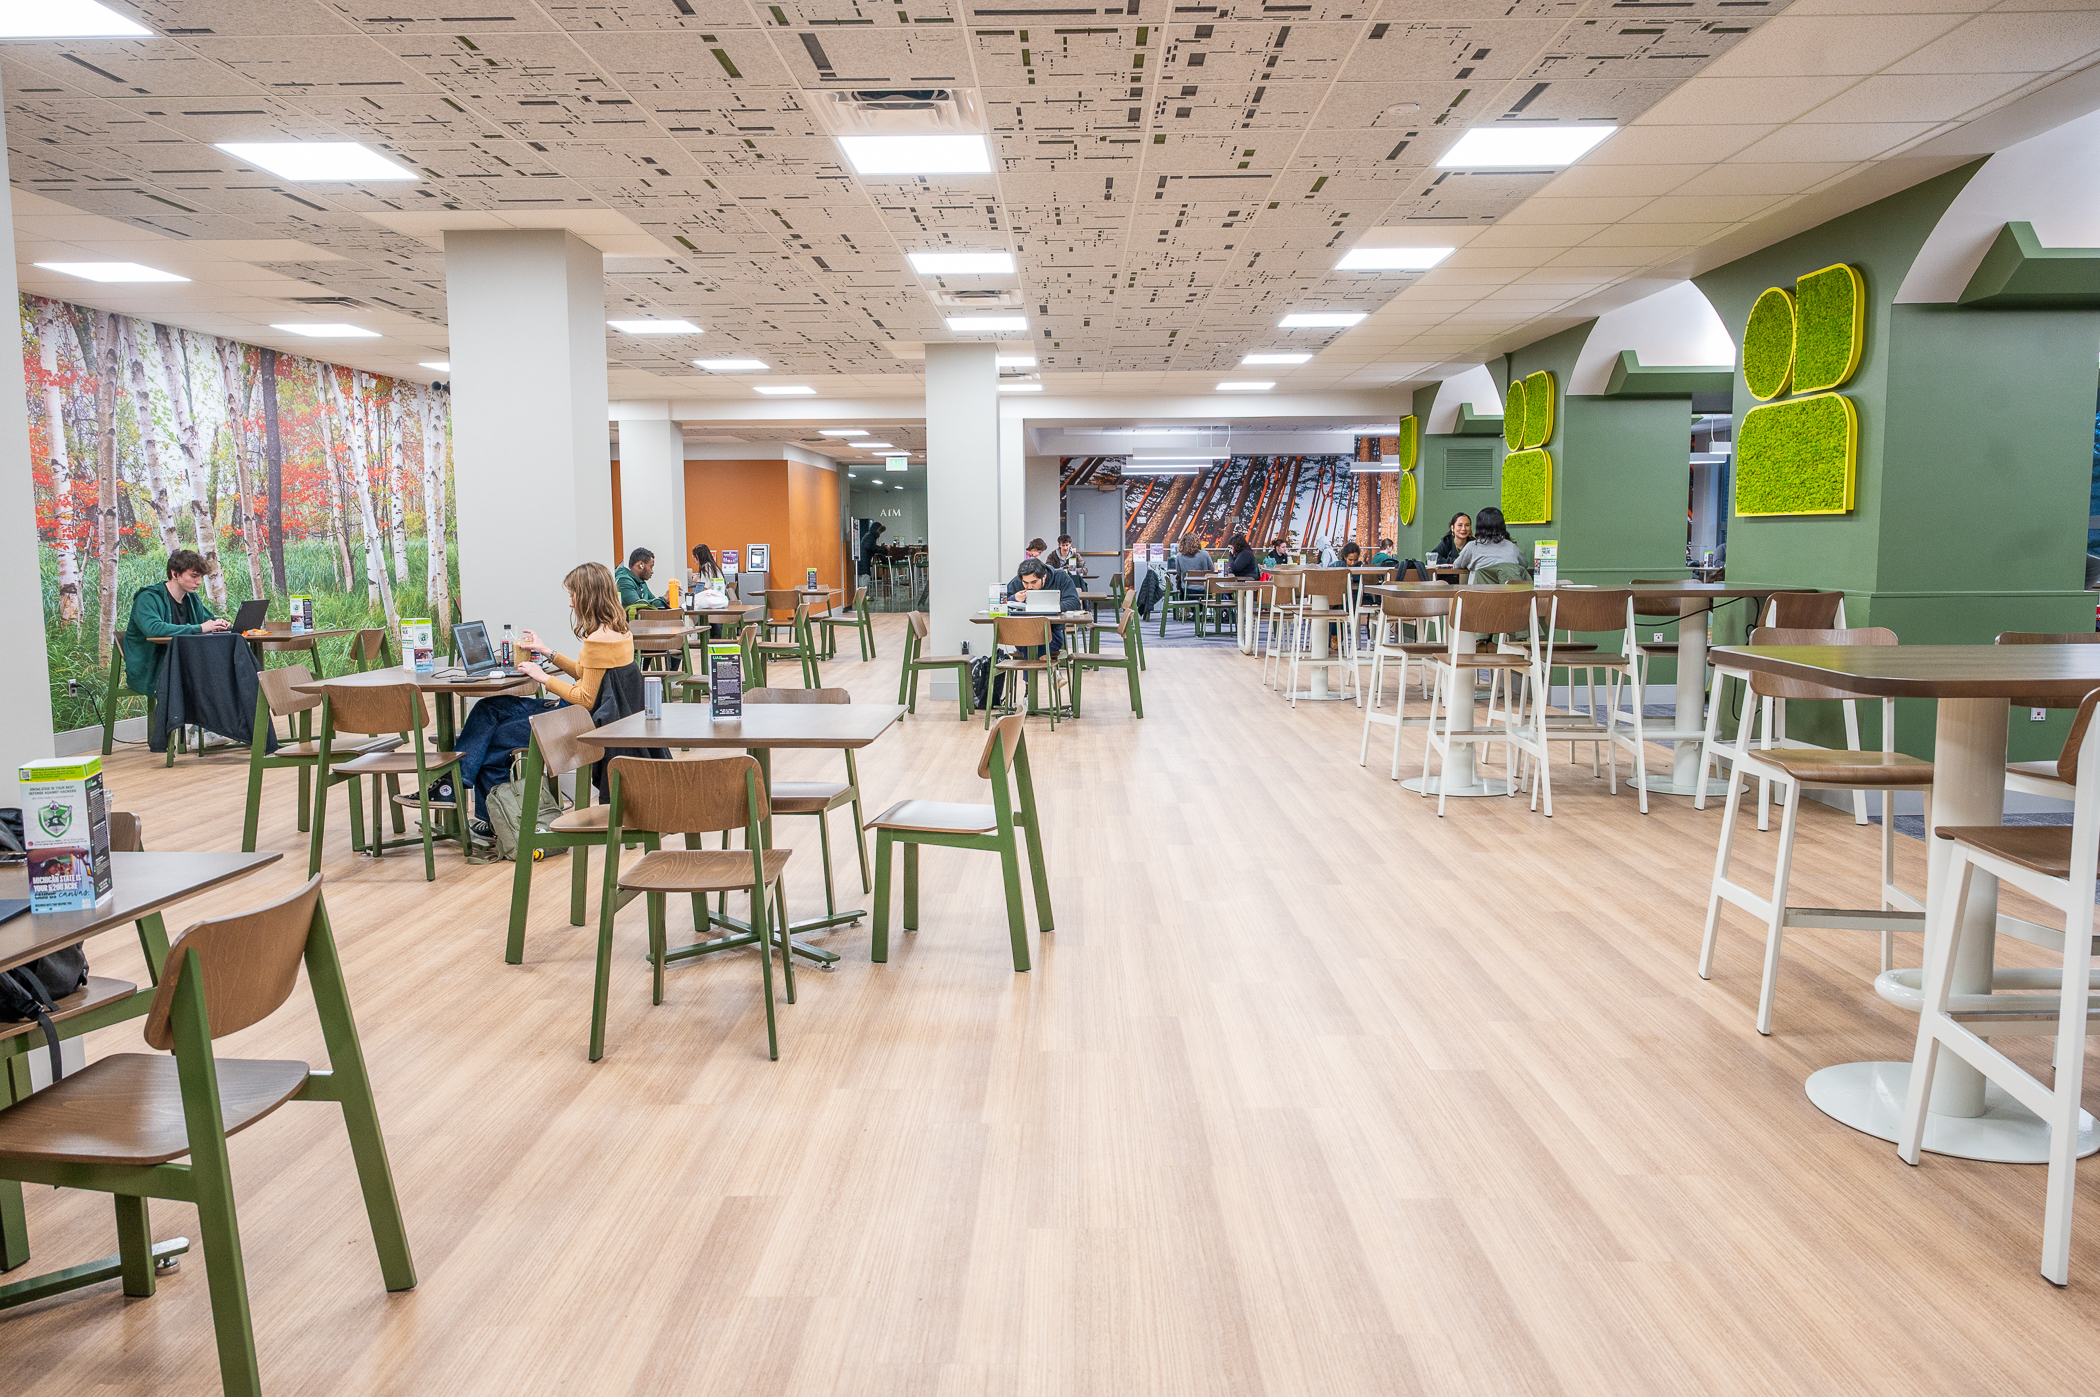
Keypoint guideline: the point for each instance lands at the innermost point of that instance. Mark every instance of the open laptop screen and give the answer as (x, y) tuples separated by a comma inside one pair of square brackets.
[(471, 640)]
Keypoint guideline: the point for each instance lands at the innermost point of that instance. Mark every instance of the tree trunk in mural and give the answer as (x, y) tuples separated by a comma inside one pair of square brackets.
[(339, 557), (233, 376), (392, 414), (109, 350), (175, 368), (52, 340), (359, 416), (437, 565), (273, 445), (149, 424)]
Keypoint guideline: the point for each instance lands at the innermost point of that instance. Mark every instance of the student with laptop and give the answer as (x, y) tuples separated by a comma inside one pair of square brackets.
[(1043, 591), (166, 609)]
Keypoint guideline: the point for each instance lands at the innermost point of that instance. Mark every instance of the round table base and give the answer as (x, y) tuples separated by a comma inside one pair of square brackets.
[(1663, 784), (1433, 785), (1868, 1096)]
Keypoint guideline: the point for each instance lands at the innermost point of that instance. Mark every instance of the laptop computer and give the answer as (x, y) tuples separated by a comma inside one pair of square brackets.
[(1044, 601), (477, 658), (251, 614)]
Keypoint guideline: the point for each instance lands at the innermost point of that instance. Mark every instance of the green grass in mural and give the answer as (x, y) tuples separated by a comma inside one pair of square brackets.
[(309, 570), (1830, 322), (1410, 449), (1797, 457), (1513, 415), (1768, 344), (1527, 487), (1408, 495), (1538, 408)]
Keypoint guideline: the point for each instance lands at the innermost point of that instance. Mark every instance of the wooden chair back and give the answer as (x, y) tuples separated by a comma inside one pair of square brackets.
[(1776, 686), (648, 613), (1481, 612), (2074, 742), (1331, 583), (798, 696), (280, 689), (556, 731), (373, 709), (1587, 609), (1411, 608), (1412, 575), (1803, 611), (917, 621), (127, 835), (782, 599), (1021, 630), (1009, 731), (250, 965), (368, 645), (671, 797)]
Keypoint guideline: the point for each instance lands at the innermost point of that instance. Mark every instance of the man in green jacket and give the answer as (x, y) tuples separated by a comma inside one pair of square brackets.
[(641, 566), (164, 609)]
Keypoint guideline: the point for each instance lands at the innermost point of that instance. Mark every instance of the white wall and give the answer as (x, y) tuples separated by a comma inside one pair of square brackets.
[(1041, 513), (25, 701), (1476, 386), (1677, 326), (2047, 181)]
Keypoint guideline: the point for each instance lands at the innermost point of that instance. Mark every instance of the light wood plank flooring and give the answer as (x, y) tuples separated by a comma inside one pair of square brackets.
[(1310, 1092)]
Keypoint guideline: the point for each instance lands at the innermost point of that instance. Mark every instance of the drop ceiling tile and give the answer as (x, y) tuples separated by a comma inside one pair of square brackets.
[(1708, 208), (2003, 42), (1649, 143), (1741, 176), (1732, 101), (1657, 234), (1789, 46), (1918, 97), (1545, 210), (1508, 234), (1832, 143), (1618, 181)]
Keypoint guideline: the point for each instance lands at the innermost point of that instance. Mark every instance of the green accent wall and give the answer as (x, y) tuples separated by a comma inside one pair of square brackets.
[(1438, 500)]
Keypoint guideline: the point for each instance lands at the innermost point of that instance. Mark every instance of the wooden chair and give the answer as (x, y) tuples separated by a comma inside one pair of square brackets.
[(1389, 643), (787, 599), (394, 710), (801, 647), (912, 823), (856, 619), (1024, 633), (1815, 611), (1130, 660), (917, 661), (277, 696), (2050, 779), (118, 1125), (2057, 866), (820, 798), (1591, 611), (1813, 768), (370, 649), (1282, 607), (657, 654), (1487, 613), (552, 753), (650, 798), (1333, 584)]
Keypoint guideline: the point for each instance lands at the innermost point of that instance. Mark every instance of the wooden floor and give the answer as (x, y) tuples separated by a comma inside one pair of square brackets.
[(1310, 1092)]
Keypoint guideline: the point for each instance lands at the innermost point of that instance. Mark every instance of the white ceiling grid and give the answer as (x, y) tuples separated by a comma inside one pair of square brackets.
[(1172, 179)]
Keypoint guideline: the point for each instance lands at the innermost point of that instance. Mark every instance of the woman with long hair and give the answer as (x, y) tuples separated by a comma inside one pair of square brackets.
[(705, 568), (1457, 534), (600, 622), (1491, 544)]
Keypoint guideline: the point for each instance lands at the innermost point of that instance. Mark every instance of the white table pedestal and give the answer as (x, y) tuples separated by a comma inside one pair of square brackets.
[(1686, 736), (1461, 773), (1320, 654)]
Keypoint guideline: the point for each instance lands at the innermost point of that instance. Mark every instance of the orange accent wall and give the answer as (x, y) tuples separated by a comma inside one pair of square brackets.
[(788, 506), (814, 537)]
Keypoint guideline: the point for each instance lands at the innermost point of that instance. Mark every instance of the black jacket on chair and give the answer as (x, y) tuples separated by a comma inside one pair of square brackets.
[(208, 680), (620, 696)]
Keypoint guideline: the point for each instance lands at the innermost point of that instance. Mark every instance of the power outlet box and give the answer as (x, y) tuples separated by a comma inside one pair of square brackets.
[(2037, 715)]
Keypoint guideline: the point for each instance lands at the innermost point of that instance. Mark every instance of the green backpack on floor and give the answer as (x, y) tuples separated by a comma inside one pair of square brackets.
[(506, 810)]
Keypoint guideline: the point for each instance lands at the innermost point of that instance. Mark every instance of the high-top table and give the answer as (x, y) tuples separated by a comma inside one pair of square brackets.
[(1461, 774), (1321, 655), (1973, 685)]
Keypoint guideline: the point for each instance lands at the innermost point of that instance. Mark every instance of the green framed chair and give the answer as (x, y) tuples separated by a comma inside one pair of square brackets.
[(820, 798), (277, 696), (1025, 633), (374, 711), (1129, 660), (783, 599), (649, 798), (370, 649), (801, 647), (917, 661), (1179, 604), (857, 619), (119, 1125), (553, 753), (912, 823)]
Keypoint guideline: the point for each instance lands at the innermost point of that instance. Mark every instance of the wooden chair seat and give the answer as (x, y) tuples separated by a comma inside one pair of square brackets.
[(394, 763), (1022, 664), (93, 995), (583, 820), (2044, 849), (127, 1109), (700, 870), (1489, 660), (943, 659), (312, 749), (1853, 770), (937, 817), (810, 797), (2040, 771)]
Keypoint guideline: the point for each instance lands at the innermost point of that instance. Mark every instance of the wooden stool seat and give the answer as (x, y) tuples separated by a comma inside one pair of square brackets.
[(394, 763), (937, 817), (2046, 849), (942, 659), (1851, 770), (313, 748), (583, 820), (699, 870), (1022, 664), (811, 797), (2040, 771), (127, 1109), (93, 995)]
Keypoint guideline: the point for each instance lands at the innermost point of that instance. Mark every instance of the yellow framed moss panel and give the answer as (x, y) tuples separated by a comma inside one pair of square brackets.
[(1768, 344), (1408, 496), (1830, 322), (1539, 392), (1409, 453), (1513, 415), (1797, 457), (1527, 487)]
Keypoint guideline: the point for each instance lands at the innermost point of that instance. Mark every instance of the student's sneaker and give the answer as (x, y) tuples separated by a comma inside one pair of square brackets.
[(481, 829), (440, 792)]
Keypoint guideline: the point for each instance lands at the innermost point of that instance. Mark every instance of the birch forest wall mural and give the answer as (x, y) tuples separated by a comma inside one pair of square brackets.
[(293, 477)]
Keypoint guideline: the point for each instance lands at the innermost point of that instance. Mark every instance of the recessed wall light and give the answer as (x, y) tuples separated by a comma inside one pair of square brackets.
[(851, 476), (1251, 359), (64, 19), (333, 162), (782, 390), (329, 331), (983, 324), (962, 263), (110, 271), (656, 327), (731, 366), (1533, 147), (918, 155), (1392, 259), (441, 365), (1016, 361), (1320, 320), (1246, 386), (842, 431)]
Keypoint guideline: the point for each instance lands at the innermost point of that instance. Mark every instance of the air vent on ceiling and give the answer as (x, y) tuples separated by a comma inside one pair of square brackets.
[(977, 300), (337, 302), (1469, 467), (920, 111)]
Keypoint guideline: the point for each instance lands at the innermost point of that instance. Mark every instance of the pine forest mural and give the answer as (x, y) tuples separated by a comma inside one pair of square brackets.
[(1315, 500), (293, 477)]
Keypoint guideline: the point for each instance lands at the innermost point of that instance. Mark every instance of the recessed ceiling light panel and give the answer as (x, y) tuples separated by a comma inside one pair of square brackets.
[(110, 271), (784, 390), (986, 324), (962, 263), (842, 431), (1246, 386), (1392, 259), (656, 327), (64, 19), (731, 366), (875, 445), (328, 331), (1320, 320), (1527, 147), (441, 365), (1253, 359), (1016, 361), (333, 162), (918, 155), (1020, 387)]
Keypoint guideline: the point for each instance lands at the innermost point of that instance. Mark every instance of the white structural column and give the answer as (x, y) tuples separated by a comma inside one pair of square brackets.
[(25, 707), (965, 527), (1042, 515), (652, 488), (532, 467), (1014, 524)]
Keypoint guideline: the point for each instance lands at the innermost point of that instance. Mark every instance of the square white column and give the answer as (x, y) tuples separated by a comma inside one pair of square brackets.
[(25, 707), (652, 489), (965, 528)]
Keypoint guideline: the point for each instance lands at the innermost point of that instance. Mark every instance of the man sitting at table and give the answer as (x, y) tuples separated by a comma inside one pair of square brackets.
[(1034, 576), (641, 566), (166, 609)]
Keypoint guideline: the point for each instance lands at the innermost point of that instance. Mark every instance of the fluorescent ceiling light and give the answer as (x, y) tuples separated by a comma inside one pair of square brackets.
[(1392, 259), (851, 476), (1016, 361), (731, 366), (337, 162), (64, 19), (441, 365), (980, 324), (1020, 387), (1320, 320), (781, 390), (1246, 386), (918, 155), (329, 331), (1167, 460), (1250, 359), (963, 263), (842, 432), (1160, 470), (656, 327), (876, 445), (114, 271), (1522, 147)]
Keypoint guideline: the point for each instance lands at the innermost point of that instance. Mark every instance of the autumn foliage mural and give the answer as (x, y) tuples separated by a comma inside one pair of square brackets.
[(294, 477)]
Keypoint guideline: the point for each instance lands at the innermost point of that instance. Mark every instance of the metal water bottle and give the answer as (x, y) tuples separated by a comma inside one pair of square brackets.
[(506, 643), (653, 697)]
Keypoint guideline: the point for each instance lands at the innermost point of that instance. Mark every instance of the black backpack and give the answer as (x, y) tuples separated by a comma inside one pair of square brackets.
[(32, 991)]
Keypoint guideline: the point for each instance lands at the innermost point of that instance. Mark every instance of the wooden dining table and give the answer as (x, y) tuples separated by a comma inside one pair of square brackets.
[(1321, 656), (447, 692), (1974, 686)]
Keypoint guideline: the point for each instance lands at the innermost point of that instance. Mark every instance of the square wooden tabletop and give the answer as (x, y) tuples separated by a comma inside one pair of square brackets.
[(428, 683), (2064, 672), (140, 884), (770, 725)]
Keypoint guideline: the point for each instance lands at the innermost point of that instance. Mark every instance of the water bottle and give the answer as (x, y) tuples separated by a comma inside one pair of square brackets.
[(506, 643), (653, 697)]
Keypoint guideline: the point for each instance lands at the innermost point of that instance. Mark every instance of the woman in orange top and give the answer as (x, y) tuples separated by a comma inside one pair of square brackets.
[(600, 622)]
